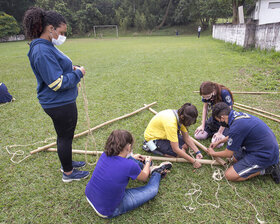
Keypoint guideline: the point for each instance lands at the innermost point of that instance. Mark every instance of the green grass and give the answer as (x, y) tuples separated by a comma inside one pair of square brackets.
[(121, 75)]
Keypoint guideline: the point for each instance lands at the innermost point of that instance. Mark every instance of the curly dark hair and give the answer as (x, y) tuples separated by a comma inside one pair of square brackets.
[(187, 114), (220, 109), (36, 19), (208, 87), (116, 142)]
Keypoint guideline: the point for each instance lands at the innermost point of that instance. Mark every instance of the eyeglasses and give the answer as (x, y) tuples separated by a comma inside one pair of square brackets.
[(208, 97)]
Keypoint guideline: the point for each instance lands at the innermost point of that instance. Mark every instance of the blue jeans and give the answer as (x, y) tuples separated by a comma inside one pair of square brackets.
[(136, 197)]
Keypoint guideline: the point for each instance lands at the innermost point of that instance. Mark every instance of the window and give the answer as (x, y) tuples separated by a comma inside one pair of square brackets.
[(273, 5)]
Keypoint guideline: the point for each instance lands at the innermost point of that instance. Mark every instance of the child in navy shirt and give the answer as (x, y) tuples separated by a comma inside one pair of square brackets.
[(250, 141), (106, 191), (212, 93)]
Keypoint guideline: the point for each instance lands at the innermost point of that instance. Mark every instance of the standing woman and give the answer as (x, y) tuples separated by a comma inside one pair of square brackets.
[(212, 93), (57, 81)]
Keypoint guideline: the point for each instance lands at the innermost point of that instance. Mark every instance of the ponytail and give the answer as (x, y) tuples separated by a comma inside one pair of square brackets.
[(36, 19)]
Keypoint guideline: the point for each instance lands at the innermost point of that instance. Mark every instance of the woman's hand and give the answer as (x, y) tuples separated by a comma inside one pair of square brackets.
[(82, 69)]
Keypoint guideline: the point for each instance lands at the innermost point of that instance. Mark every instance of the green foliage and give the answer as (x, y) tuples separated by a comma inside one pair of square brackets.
[(8, 25), (140, 14), (140, 21)]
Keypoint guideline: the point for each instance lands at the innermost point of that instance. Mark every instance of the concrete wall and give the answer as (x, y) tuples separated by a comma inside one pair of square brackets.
[(246, 35), (268, 36), (12, 38)]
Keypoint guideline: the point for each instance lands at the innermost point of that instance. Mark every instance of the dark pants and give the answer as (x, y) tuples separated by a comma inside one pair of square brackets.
[(164, 146), (64, 119)]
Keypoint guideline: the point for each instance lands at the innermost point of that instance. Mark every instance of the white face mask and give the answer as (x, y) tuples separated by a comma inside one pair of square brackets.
[(60, 40)]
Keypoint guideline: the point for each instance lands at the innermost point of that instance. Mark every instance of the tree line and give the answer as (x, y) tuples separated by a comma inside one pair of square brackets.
[(82, 15)]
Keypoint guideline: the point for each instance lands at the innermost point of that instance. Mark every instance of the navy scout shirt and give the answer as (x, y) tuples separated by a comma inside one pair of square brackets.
[(254, 136)]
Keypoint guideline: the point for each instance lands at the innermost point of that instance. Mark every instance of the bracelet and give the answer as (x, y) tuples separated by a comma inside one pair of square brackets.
[(197, 152)]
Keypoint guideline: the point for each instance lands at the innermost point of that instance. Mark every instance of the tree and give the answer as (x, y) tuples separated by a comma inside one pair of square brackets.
[(16, 8), (8, 25)]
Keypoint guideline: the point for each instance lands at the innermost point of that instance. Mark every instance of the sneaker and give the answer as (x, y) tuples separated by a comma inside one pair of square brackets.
[(75, 164), (162, 168), (75, 175), (274, 171)]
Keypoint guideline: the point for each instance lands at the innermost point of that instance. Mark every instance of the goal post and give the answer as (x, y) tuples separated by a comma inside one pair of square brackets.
[(106, 26)]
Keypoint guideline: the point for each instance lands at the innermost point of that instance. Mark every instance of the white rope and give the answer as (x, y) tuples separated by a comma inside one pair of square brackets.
[(217, 176), (90, 135), (21, 152)]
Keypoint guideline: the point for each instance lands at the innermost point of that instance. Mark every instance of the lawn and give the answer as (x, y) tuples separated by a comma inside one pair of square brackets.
[(121, 76)]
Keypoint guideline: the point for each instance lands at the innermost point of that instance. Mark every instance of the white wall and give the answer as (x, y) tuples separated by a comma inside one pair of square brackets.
[(265, 14), (230, 33)]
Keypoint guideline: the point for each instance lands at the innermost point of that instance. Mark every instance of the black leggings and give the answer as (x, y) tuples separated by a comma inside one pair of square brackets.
[(64, 119)]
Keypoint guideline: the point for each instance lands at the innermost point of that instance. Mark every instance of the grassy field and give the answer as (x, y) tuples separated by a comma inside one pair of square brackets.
[(122, 75)]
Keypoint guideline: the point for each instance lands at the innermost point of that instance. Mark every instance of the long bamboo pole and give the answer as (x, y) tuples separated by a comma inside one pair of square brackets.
[(156, 158), (218, 159), (251, 93), (252, 111), (256, 109), (94, 128)]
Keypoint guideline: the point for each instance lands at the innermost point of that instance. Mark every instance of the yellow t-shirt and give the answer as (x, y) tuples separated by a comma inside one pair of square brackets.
[(163, 126)]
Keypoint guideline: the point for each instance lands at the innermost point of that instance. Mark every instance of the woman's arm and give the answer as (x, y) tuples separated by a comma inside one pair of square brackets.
[(181, 153), (191, 144), (143, 176), (204, 113)]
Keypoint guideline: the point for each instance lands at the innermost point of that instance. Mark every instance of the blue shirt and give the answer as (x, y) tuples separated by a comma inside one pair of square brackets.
[(254, 136), (56, 79), (5, 96), (106, 188)]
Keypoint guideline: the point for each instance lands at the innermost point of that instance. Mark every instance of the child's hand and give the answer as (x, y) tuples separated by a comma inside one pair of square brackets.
[(199, 129), (210, 151), (199, 156), (148, 159), (196, 164), (139, 157)]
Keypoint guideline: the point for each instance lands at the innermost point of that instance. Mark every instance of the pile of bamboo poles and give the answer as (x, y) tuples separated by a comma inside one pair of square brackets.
[(257, 111)]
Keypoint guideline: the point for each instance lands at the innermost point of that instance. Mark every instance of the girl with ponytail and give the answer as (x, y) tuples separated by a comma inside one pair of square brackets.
[(212, 93), (57, 81)]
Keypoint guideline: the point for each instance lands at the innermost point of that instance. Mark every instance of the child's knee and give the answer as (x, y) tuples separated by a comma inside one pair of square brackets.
[(201, 135)]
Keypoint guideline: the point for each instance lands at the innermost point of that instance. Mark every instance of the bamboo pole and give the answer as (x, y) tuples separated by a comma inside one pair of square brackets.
[(251, 111), (218, 159), (251, 93), (155, 158), (256, 109), (94, 128)]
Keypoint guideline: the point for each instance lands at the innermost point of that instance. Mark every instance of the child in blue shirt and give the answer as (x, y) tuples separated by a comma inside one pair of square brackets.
[(250, 141), (212, 93), (106, 191)]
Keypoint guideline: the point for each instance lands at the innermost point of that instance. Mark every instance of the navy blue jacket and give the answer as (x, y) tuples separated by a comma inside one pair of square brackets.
[(56, 79)]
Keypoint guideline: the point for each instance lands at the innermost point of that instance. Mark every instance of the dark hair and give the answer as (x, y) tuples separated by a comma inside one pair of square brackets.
[(220, 109), (208, 87), (36, 19), (187, 114), (116, 142)]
